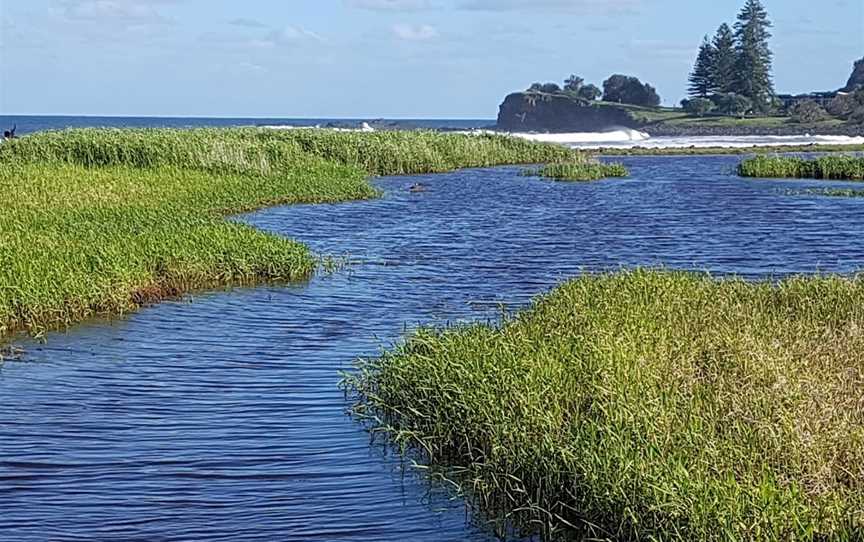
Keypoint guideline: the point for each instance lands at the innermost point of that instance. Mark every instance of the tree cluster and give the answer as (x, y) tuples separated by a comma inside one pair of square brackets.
[(629, 90), (736, 63), (849, 107), (808, 112), (618, 88)]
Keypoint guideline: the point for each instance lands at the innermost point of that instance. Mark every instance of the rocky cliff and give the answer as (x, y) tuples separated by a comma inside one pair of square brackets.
[(559, 113), (856, 80), (539, 111)]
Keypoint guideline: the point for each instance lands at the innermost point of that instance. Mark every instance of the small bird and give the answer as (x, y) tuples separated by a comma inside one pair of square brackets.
[(417, 187)]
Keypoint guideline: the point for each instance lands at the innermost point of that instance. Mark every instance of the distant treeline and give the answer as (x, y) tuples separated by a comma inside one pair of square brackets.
[(618, 88), (737, 62), (732, 76)]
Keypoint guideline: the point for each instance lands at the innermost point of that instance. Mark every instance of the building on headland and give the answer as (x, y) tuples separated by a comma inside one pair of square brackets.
[(821, 98)]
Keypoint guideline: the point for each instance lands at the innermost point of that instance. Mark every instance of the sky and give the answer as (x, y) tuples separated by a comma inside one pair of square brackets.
[(378, 58)]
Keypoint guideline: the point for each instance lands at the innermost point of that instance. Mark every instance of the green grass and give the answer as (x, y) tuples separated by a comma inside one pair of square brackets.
[(578, 171), (678, 151), (644, 405), (748, 122), (649, 115), (835, 167), (98, 222), (725, 121), (270, 151)]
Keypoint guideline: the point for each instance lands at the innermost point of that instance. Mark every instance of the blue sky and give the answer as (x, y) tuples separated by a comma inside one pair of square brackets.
[(378, 58)]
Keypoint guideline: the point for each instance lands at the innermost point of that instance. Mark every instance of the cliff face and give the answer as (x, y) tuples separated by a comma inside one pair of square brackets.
[(536, 111), (856, 80)]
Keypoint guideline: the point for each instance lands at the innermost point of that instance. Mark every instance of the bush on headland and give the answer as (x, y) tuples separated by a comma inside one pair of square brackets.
[(100, 221), (835, 167), (644, 405)]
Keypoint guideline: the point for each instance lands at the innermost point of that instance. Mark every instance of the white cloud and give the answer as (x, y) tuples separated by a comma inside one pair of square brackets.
[(292, 34), (390, 5), (592, 6), (410, 32), (124, 11), (247, 23), (287, 36)]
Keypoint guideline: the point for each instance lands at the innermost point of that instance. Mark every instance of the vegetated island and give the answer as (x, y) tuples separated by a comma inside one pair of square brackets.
[(834, 167), (731, 93), (590, 170), (643, 405), (101, 221)]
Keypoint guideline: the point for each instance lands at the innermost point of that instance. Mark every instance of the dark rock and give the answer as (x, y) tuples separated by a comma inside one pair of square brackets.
[(856, 80), (544, 112), (538, 111)]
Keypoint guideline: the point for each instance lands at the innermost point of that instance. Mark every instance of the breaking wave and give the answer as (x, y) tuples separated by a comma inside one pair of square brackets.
[(625, 139), (622, 136)]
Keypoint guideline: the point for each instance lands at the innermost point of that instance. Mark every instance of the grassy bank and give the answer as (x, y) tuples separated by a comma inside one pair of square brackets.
[(578, 171), (679, 151), (102, 221), (646, 406), (265, 151), (842, 167)]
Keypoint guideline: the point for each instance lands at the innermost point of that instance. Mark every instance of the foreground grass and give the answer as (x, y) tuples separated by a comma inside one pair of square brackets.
[(837, 167), (578, 171), (645, 406), (102, 221)]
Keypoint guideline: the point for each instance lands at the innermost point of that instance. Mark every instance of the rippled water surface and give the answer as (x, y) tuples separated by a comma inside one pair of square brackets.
[(220, 418)]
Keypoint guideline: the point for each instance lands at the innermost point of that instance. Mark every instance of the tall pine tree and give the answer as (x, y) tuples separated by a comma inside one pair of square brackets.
[(701, 78), (753, 56), (723, 67)]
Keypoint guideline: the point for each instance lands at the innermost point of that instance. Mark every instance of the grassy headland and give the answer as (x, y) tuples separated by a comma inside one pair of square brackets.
[(578, 171), (679, 151), (835, 167), (102, 221), (645, 405)]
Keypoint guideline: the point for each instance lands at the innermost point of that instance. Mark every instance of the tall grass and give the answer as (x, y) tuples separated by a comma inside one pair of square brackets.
[(78, 241), (645, 405), (838, 167), (578, 171), (99, 221), (271, 151)]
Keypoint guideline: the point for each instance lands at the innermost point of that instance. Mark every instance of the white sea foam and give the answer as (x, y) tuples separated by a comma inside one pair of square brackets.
[(364, 127), (623, 136), (625, 139)]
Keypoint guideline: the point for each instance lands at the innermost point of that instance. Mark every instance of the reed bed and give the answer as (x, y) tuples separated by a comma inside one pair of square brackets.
[(267, 151), (100, 221), (832, 167), (644, 405), (583, 170)]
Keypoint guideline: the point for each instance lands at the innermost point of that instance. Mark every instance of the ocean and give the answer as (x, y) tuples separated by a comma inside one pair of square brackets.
[(36, 123), (616, 138)]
